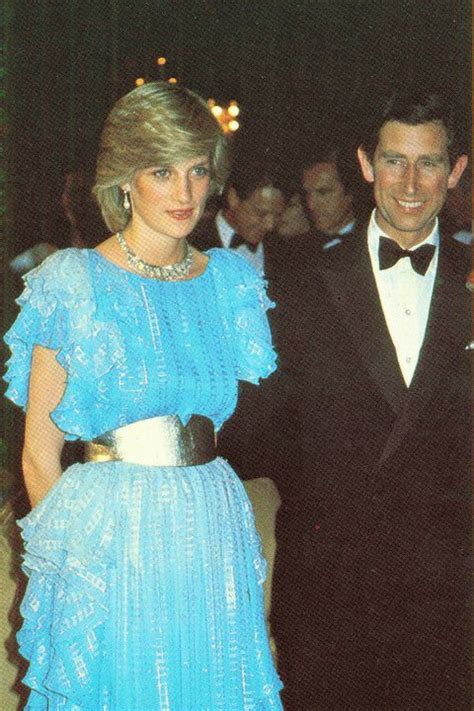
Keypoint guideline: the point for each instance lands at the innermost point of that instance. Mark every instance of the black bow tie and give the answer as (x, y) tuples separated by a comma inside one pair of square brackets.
[(390, 252), (238, 241)]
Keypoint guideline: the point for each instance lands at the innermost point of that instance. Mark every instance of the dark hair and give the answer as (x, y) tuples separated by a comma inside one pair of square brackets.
[(342, 157), (252, 167), (414, 107)]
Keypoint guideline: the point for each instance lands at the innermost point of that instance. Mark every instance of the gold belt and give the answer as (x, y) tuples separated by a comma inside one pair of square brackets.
[(158, 441)]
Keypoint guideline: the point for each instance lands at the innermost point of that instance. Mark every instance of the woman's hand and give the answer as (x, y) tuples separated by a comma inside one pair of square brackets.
[(43, 440)]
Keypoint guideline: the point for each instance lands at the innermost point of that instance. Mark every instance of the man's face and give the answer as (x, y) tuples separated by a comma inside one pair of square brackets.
[(329, 206), (411, 175), (293, 220), (258, 214)]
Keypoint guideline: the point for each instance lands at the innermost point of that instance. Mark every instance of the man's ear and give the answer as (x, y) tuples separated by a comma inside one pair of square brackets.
[(365, 165), (457, 171), (233, 199)]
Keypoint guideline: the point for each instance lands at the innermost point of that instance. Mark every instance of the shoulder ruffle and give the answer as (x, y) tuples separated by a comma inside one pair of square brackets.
[(57, 309), (249, 303)]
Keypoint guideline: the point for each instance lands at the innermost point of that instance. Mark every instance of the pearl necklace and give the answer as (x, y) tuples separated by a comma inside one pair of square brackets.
[(168, 272)]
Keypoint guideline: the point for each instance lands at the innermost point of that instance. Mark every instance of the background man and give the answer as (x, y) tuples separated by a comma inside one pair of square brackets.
[(327, 192), (371, 602), (251, 206)]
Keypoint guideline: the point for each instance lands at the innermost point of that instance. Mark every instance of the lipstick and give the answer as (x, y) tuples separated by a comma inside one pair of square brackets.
[(180, 214)]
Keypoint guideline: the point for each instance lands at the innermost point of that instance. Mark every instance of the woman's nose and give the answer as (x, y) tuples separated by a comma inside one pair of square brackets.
[(183, 190)]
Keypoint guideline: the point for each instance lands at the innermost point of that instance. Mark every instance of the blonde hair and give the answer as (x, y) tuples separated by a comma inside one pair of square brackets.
[(156, 124)]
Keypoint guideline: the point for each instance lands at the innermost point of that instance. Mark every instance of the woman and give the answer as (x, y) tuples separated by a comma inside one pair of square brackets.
[(144, 564)]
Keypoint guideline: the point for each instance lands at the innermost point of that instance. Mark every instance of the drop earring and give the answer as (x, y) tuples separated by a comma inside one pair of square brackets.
[(126, 200)]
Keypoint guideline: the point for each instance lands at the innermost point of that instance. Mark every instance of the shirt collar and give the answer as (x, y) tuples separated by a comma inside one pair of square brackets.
[(347, 228), (225, 230)]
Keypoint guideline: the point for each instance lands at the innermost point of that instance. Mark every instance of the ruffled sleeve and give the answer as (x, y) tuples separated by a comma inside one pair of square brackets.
[(57, 308), (42, 321), (254, 353)]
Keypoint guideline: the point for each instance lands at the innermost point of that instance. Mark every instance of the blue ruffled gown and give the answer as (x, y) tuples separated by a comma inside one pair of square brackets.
[(145, 582)]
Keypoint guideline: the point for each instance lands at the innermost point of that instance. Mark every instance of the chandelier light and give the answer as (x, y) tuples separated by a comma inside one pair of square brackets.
[(225, 114)]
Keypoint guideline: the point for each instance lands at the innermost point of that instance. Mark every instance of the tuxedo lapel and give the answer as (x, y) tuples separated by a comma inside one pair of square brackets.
[(447, 333), (274, 263), (355, 294)]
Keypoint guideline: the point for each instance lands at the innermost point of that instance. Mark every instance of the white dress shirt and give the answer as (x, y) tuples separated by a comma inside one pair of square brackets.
[(405, 297), (226, 232), (463, 236), (338, 238)]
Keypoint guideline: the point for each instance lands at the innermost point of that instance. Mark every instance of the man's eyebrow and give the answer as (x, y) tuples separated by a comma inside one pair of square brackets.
[(436, 157), (439, 157)]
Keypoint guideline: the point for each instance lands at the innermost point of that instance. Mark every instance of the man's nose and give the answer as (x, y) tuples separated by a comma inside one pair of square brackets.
[(269, 222), (411, 180)]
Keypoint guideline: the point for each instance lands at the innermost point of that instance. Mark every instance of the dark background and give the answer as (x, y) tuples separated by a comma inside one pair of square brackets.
[(299, 69)]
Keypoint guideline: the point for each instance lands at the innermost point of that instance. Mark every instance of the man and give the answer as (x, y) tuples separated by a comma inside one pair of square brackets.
[(328, 195), (371, 597), (252, 205)]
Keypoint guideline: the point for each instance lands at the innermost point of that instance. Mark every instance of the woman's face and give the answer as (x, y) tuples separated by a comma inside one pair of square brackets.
[(170, 200)]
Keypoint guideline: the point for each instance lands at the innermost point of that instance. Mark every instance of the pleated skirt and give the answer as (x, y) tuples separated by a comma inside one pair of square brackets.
[(145, 592)]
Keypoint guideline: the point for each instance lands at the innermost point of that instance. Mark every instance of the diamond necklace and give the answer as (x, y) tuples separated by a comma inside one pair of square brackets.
[(168, 272)]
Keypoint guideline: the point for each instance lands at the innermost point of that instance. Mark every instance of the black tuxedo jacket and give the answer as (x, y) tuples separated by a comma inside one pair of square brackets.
[(371, 587)]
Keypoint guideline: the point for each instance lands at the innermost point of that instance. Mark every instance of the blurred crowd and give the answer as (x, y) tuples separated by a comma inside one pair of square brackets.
[(268, 212)]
